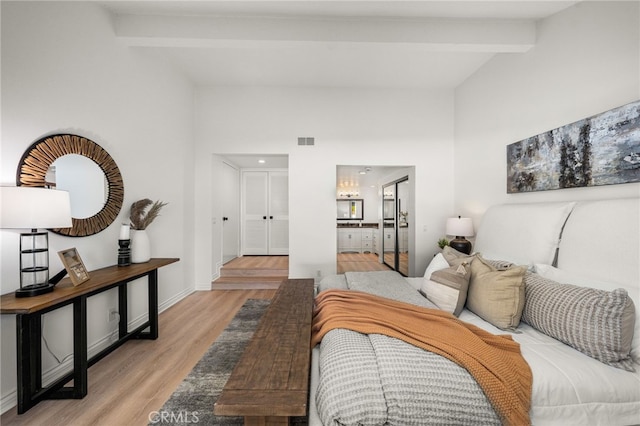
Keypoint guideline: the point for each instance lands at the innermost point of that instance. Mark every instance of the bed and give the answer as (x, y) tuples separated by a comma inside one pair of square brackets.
[(567, 253)]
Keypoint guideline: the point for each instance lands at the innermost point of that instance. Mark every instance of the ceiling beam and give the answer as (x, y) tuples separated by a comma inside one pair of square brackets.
[(447, 35)]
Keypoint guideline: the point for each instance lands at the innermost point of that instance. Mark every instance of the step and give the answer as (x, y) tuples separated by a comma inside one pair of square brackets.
[(243, 272), (249, 279), (249, 285)]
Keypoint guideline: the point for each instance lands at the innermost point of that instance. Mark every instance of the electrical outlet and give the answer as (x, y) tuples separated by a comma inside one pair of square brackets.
[(113, 314)]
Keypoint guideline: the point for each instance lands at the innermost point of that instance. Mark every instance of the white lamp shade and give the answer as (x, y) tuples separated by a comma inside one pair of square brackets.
[(24, 207), (459, 227)]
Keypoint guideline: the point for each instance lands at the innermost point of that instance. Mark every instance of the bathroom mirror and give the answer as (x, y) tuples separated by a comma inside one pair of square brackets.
[(350, 209), (104, 182)]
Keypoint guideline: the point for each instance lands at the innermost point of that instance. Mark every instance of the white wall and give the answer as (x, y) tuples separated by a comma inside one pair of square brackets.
[(350, 126), (63, 71), (586, 61)]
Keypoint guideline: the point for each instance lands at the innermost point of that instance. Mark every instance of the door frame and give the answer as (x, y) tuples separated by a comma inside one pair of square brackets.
[(231, 195)]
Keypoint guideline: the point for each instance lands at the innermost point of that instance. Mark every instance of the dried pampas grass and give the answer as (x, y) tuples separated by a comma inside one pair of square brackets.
[(141, 218)]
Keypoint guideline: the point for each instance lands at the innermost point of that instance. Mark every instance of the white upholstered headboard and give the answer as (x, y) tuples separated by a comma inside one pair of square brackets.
[(522, 233), (601, 239)]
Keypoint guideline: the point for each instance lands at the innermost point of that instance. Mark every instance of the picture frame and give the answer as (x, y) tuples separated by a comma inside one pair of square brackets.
[(73, 264)]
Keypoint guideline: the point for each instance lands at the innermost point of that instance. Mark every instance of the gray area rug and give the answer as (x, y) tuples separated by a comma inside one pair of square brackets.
[(192, 402)]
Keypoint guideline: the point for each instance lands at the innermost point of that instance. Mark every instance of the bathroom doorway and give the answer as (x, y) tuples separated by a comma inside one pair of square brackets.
[(360, 237)]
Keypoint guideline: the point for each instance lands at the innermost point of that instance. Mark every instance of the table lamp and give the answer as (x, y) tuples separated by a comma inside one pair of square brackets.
[(24, 207), (460, 227)]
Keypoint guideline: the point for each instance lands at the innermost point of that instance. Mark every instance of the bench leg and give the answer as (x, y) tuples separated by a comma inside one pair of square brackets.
[(265, 421)]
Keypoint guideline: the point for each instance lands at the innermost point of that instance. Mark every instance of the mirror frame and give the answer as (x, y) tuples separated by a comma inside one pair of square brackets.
[(37, 159)]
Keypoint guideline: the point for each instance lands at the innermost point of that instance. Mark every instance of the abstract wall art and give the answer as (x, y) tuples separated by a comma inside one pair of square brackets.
[(600, 150)]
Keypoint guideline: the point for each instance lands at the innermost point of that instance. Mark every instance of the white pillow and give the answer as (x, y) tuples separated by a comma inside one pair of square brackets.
[(438, 262), (558, 275), (448, 287), (446, 298)]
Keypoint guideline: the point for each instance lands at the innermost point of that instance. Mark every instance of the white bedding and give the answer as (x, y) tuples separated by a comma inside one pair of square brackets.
[(568, 384)]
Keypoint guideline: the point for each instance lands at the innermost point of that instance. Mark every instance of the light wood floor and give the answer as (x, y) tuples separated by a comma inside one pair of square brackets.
[(137, 378), (359, 262), (403, 267)]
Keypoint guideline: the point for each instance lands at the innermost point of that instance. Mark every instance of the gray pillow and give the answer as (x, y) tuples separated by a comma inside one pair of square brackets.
[(598, 323)]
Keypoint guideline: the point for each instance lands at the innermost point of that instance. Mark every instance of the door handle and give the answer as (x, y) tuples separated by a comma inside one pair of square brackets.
[(225, 218), (270, 217), (264, 217)]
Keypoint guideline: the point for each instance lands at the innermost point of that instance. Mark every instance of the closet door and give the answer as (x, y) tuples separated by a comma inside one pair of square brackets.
[(395, 206), (255, 212), (265, 212), (278, 225)]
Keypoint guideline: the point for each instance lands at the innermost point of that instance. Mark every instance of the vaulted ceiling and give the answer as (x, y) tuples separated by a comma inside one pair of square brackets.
[(353, 44), (382, 44)]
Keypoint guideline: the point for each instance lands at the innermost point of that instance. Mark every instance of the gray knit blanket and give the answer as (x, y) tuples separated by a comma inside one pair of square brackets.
[(379, 380)]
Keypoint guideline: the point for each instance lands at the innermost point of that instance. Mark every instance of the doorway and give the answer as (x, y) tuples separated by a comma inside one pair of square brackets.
[(360, 239), (227, 216)]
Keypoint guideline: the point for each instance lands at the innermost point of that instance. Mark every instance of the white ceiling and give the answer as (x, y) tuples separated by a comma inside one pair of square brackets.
[(397, 44), (372, 44), (501, 9)]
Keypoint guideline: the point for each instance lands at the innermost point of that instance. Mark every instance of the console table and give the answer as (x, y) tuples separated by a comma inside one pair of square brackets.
[(29, 311)]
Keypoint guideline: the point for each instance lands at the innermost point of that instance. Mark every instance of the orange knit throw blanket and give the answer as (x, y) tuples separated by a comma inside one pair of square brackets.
[(493, 360)]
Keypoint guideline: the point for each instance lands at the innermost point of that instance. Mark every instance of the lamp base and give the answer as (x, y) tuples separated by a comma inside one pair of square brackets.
[(34, 290), (461, 244)]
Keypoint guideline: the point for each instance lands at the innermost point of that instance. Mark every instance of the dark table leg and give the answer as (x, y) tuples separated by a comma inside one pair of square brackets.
[(29, 348), (153, 304), (122, 310), (80, 361)]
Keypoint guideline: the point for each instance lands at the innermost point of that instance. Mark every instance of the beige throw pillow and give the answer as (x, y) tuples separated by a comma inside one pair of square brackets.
[(497, 296), (455, 258)]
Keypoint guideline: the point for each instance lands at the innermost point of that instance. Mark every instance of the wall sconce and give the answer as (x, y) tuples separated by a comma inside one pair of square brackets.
[(350, 194), (24, 207), (460, 227)]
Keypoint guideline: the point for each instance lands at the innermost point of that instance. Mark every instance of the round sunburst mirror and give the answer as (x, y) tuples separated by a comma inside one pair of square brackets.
[(91, 176)]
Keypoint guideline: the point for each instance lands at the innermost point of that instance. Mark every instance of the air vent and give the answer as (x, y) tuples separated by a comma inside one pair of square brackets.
[(306, 141)]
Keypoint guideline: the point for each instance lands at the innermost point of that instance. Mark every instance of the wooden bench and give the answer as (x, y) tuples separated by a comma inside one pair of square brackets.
[(270, 382)]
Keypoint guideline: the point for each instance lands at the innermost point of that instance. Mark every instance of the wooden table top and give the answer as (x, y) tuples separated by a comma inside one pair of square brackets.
[(65, 290), (272, 376)]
